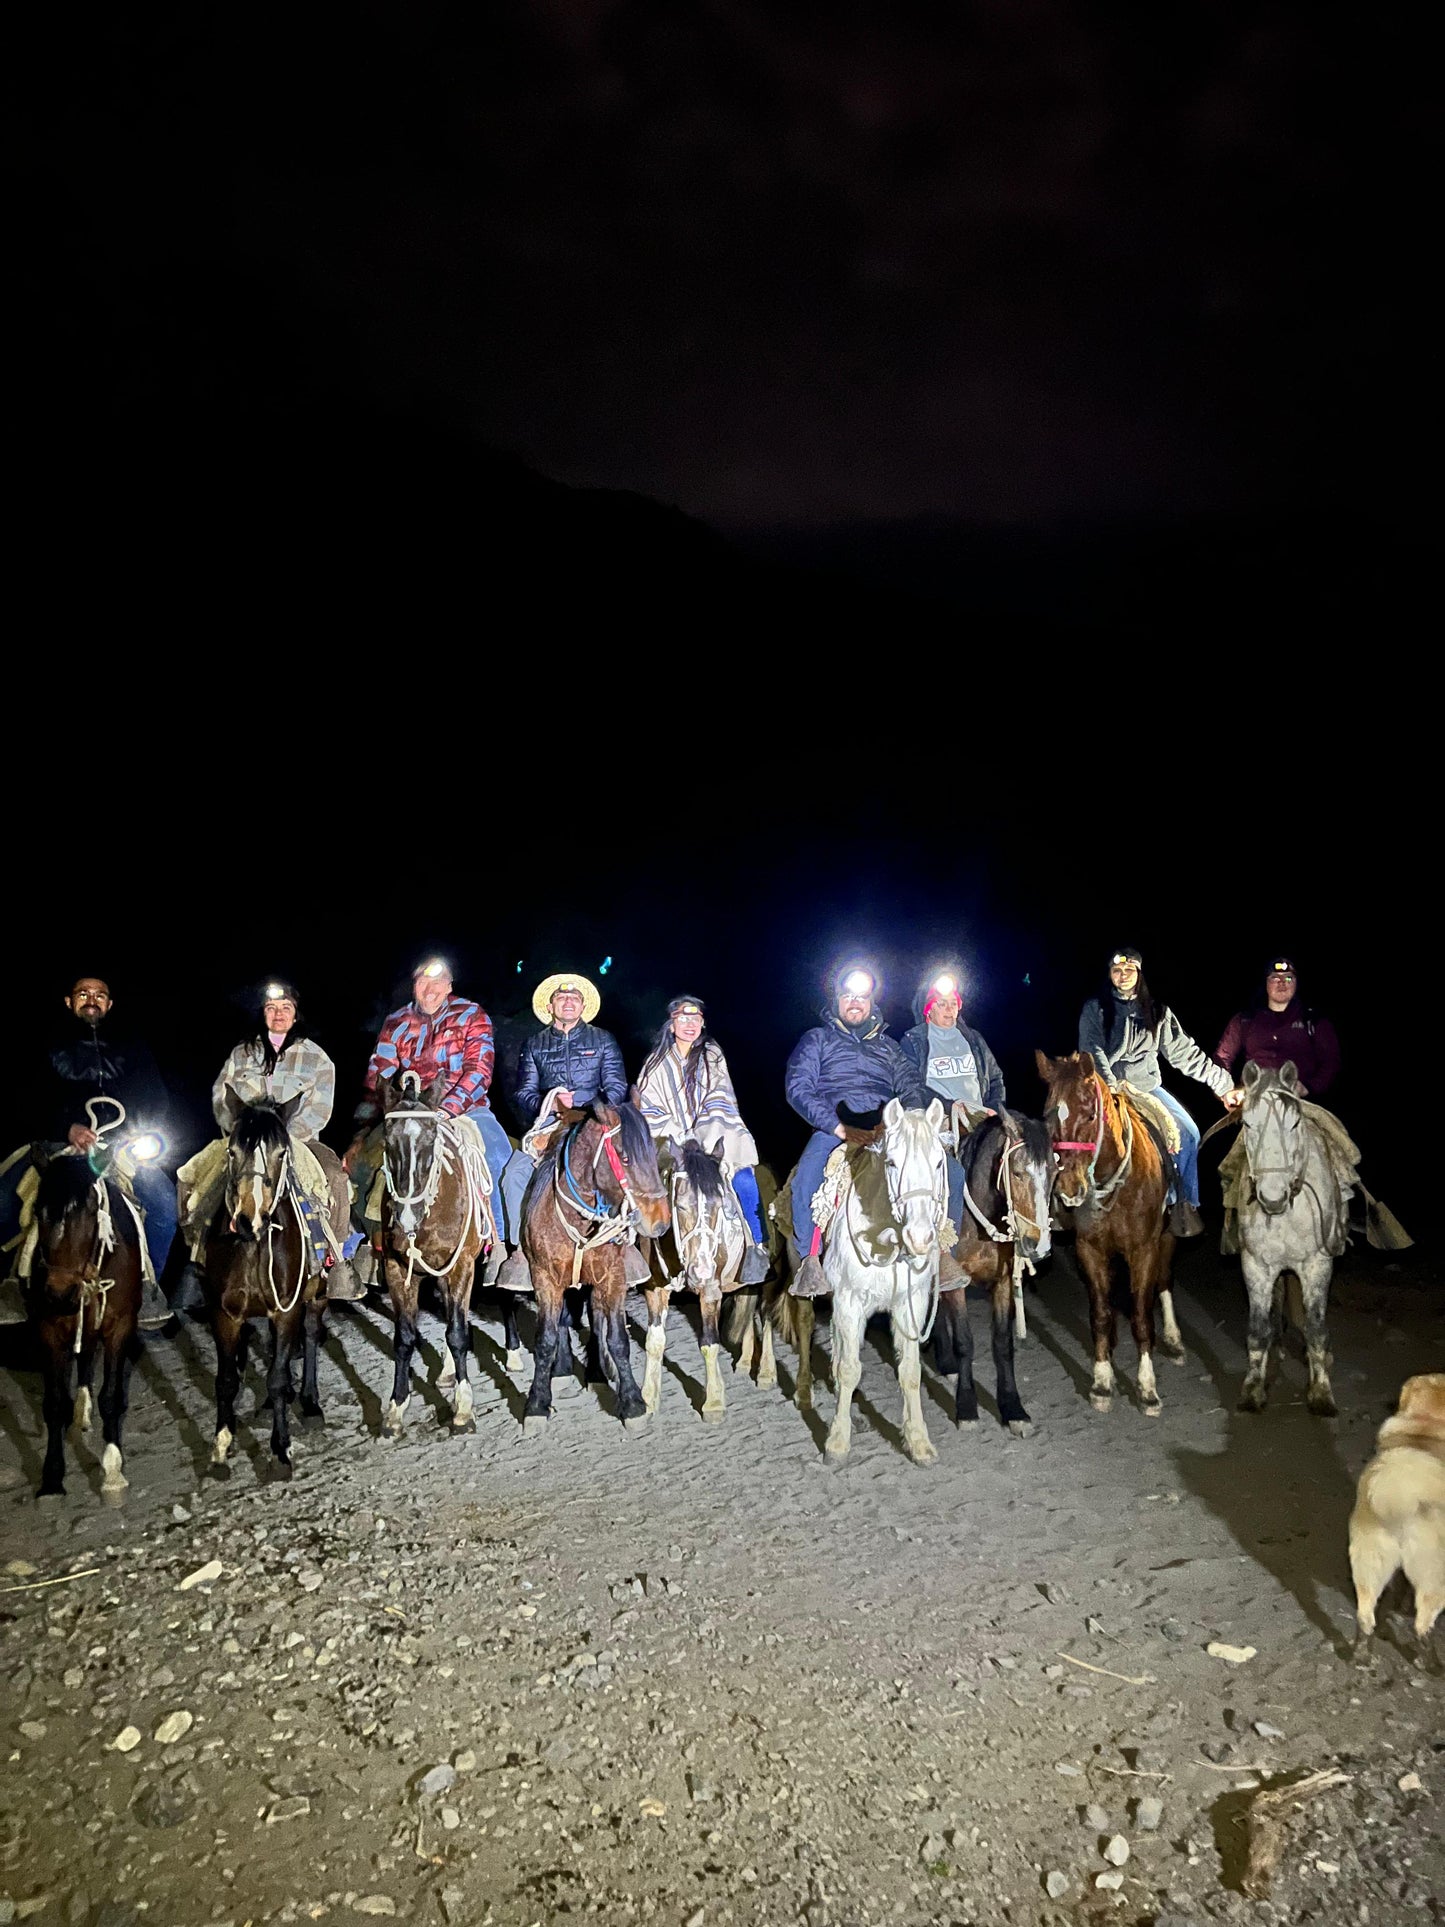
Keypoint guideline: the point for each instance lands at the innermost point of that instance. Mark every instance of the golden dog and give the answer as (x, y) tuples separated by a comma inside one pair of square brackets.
[(1399, 1515)]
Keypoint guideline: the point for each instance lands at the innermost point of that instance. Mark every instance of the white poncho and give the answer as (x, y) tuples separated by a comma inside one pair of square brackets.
[(712, 1117)]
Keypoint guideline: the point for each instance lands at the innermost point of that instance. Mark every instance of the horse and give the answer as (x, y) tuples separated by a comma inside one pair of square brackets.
[(258, 1265), (1113, 1170), (436, 1218), (85, 1294), (881, 1253), (1291, 1219), (1007, 1174), (707, 1243), (596, 1182)]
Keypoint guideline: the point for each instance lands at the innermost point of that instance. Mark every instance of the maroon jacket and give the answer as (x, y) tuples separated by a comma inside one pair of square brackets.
[(1272, 1038)]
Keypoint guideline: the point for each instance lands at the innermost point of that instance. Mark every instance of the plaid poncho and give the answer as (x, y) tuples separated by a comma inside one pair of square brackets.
[(711, 1117)]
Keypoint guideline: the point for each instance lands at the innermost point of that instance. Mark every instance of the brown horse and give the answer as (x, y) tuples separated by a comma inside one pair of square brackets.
[(85, 1293), (259, 1265), (1113, 1171), (436, 1220), (598, 1181)]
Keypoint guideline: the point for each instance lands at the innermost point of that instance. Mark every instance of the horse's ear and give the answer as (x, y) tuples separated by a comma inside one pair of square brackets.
[(892, 1111), (1251, 1076), (40, 1155), (1047, 1066), (934, 1114), (292, 1105), (719, 1154), (435, 1091), (1289, 1075), (1086, 1063)]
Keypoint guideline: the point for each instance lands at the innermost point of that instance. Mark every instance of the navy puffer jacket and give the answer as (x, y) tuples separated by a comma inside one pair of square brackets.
[(860, 1069), (584, 1060)]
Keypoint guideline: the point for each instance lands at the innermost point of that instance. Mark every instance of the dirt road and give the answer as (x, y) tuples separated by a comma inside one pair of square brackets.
[(698, 1676)]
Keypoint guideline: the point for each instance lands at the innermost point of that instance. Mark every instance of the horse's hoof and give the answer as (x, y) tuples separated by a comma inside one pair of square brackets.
[(766, 1379), (395, 1419), (534, 1425), (1152, 1407), (516, 1360), (49, 1492), (314, 1420), (713, 1414), (1021, 1428), (923, 1454), (1251, 1399), (282, 1470), (1175, 1354), (219, 1470), (803, 1399), (1102, 1401), (1322, 1406), (635, 1422), (113, 1479), (966, 1424), (835, 1454)]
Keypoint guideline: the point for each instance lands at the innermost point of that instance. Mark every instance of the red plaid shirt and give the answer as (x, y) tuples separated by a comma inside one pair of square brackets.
[(456, 1043)]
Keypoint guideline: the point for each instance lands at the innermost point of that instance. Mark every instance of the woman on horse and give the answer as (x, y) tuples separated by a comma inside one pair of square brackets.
[(956, 1064), (278, 1064), (1126, 1031), (686, 1091)]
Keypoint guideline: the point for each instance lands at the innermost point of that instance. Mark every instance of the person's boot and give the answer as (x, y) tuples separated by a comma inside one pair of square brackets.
[(342, 1285), (755, 1265), (188, 1295), (515, 1274), (808, 1281), (12, 1300), (1184, 1220), (154, 1311), (951, 1273)]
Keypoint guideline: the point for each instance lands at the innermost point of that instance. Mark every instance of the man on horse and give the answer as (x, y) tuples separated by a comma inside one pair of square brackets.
[(88, 1061), (847, 1062), (956, 1064), (437, 1034), (566, 1065), (1283, 1030)]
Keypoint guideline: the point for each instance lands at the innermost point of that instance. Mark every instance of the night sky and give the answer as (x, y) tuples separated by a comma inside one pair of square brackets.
[(966, 300)]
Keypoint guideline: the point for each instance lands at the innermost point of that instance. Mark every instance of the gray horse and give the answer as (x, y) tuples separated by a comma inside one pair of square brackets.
[(1292, 1218)]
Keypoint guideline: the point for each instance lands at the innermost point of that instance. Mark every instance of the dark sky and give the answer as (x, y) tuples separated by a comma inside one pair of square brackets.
[(779, 264)]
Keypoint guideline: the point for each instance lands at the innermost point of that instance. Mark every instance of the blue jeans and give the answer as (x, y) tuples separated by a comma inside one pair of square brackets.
[(1188, 1144), (499, 1157), (806, 1179), (515, 1179), (745, 1183)]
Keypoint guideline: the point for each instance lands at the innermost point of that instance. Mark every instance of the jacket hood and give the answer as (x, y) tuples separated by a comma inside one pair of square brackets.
[(875, 1026)]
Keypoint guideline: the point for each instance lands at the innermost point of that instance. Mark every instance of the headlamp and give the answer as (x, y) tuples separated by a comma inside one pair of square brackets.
[(687, 1010), (146, 1148), (858, 983), (945, 986), (1285, 969), (1121, 957), (277, 994), (433, 967)]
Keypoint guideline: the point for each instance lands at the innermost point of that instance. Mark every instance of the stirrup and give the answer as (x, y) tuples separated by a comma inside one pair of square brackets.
[(754, 1268), (340, 1285), (635, 1268), (154, 1311), (1185, 1221), (808, 1281), (515, 1274)]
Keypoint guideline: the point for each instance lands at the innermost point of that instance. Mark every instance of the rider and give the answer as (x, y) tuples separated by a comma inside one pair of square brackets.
[(435, 1034), (1126, 1031), (1281, 1030), (955, 1062), (91, 1059), (568, 1064), (281, 1063), (686, 1091), (846, 1062)]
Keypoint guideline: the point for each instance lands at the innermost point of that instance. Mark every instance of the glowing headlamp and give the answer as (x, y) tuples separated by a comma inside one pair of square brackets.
[(1285, 969), (277, 994), (433, 967), (858, 983), (146, 1148), (1121, 958), (687, 1010), (945, 986)]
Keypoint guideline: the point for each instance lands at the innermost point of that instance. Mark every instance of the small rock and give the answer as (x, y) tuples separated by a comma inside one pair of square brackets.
[(126, 1740), (1092, 1625), (163, 1803), (1266, 1731), (180, 1515), (1116, 1852), (696, 1917), (1096, 1817), (1236, 1655), (450, 1819), (295, 1807), (1149, 1812), (465, 1761), (931, 1848), (453, 1901), (1056, 1884), (173, 1727), (33, 1729), (202, 1576), (1110, 1882), (1172, 1629), (1069, 1771), (1407, 1782), (653, 1809), (20, 1569), (437, 1781), (308, 1581), (374, 1904)]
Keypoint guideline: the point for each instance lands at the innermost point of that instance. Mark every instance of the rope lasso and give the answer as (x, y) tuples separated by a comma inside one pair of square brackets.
[(457, 1150)]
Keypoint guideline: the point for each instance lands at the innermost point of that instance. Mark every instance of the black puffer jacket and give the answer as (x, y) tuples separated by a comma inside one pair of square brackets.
[(584, 1060), (859, 1069), (91, 1060)]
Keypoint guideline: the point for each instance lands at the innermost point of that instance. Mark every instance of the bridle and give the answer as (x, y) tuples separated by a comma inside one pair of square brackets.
[(1295, 1175), (1094, 1192), (449, 1150), (281, 1191), (936, 1191), (609, 1226), (93, 1287)]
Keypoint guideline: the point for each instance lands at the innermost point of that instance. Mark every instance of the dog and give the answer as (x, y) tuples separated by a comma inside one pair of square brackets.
[(1399, 1515)]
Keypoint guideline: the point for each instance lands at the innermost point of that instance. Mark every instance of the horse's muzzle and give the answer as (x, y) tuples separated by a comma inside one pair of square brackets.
[(654, 1215)]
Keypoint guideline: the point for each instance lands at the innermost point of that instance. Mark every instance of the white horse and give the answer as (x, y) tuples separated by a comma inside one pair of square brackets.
[(881, 1253), (1292, 1218)]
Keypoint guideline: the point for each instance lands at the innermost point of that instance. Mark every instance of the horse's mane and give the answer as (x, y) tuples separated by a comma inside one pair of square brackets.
[(260, 1126), (981, 1145), (702, 1172), (636, 1138), (67, 1185)]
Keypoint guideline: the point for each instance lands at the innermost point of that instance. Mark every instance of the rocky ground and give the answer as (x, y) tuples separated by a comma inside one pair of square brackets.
[(697, 1676)]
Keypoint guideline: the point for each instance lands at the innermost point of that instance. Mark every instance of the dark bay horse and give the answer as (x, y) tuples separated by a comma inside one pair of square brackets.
[(703, 1252), (85, 1293), (598, 1180), (436, 1221), (258, 1265), (1007, 1174), (1114, 1172)]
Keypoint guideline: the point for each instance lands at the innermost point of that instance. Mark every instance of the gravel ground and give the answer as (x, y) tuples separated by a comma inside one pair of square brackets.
[(696, 1676)]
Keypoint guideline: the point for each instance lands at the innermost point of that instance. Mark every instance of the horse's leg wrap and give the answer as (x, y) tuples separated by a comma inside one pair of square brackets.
[(847, 1370)]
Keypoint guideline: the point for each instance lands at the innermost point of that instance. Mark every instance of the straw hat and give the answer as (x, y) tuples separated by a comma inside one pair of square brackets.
[(542, 996)]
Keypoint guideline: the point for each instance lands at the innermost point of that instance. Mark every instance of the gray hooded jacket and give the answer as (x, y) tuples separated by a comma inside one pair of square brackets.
[(1136, 1061)]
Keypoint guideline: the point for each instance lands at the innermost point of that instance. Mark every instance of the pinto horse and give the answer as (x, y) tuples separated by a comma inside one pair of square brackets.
[(1007, 1173), (258, 1265), (703, 1253), (596, 1183), (85, 1295), (436, 1219), (1112, 1170)]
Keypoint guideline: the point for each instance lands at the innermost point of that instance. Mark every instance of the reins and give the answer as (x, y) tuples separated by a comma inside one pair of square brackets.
[(458, 1151), (94, 1290), (938, 1195), (1096, 1193), (610, 1227)]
